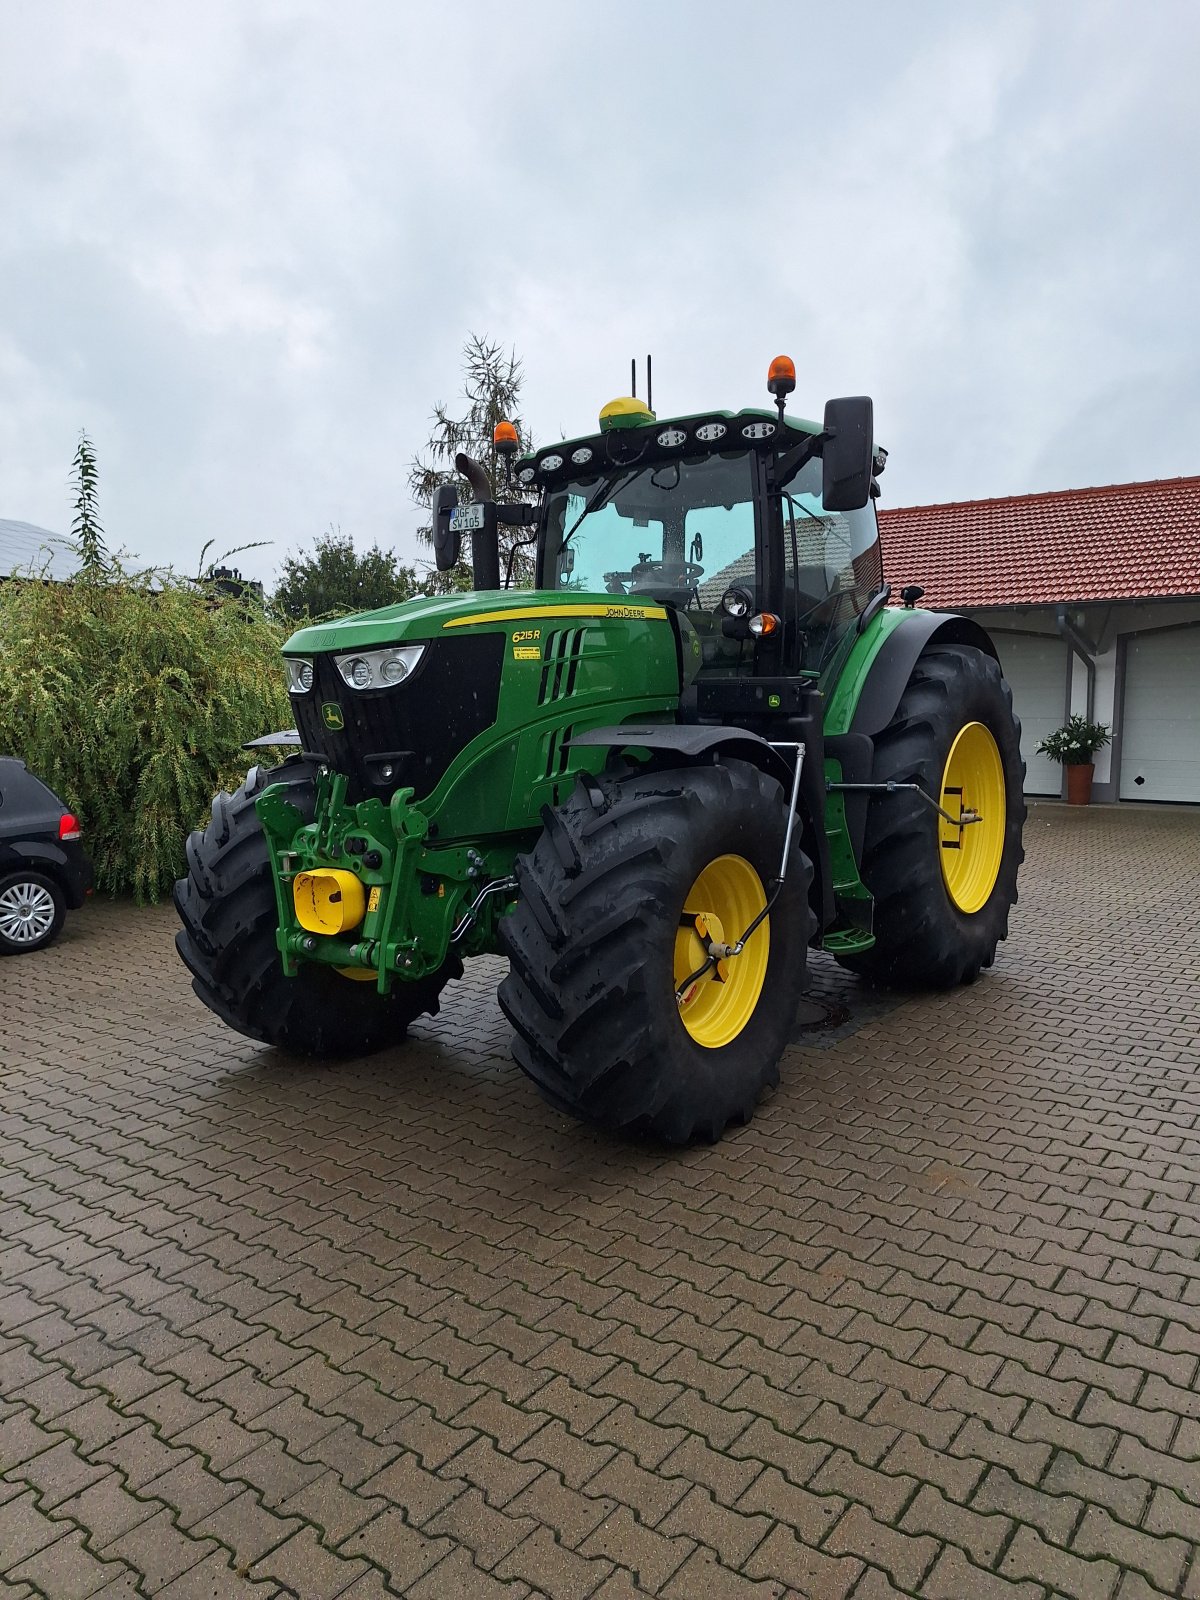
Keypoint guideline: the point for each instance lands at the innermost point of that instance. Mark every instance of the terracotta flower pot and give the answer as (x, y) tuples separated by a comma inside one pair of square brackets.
[(1079, 784)]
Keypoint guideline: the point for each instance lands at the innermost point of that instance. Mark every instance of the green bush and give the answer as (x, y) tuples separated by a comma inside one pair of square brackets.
[(130, 695)]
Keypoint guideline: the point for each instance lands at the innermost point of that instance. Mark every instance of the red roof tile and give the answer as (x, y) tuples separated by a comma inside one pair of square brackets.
[(1125, 541)]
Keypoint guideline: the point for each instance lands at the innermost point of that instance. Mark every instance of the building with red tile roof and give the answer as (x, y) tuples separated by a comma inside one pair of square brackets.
[(1125, 541), (1093, 599)]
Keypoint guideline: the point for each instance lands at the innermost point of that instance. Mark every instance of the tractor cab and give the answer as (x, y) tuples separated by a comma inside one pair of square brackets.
[(756, 530), (728, 531)]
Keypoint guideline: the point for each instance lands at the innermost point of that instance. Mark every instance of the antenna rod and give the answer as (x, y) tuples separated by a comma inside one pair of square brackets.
[(633, 376), (649, 390)]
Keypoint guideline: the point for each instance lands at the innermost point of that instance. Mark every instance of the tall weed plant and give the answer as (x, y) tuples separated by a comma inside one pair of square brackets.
[(130, 694)]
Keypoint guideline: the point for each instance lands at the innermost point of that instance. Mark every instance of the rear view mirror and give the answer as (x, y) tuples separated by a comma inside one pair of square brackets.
[(846, 459), (447, 541)]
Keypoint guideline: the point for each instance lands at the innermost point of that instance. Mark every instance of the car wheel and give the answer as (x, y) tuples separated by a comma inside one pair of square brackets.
[(32, 909)]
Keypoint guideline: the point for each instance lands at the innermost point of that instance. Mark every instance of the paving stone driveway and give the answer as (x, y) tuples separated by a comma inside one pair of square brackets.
[(930, 1326)]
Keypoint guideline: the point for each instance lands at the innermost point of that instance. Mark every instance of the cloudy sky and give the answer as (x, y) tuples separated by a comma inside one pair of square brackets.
[(242, 243)]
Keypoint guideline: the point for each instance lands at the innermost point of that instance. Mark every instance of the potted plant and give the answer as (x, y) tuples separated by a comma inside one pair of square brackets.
[(1073, 746)]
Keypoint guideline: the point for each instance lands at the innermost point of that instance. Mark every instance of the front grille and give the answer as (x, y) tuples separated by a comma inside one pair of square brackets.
[(417, 727)]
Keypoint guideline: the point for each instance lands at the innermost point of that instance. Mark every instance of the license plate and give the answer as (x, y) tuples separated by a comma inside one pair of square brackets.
[(467, 519)]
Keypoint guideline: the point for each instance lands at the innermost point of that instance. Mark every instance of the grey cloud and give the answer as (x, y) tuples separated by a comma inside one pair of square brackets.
[(252, 240)]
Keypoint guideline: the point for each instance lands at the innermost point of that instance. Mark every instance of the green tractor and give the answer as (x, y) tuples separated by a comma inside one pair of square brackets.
[(701, 744)]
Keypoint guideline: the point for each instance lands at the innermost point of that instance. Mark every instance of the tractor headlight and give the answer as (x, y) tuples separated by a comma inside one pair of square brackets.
[(300, 674), (379, 669)]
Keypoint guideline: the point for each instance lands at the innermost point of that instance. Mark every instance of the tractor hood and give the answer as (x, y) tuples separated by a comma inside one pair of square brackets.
[(437, 616)]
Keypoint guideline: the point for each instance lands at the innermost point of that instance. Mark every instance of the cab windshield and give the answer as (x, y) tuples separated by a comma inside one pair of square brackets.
[(683, 533), (680, 532)]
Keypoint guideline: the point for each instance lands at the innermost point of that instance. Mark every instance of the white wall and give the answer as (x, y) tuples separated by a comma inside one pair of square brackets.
[(1102, 625)]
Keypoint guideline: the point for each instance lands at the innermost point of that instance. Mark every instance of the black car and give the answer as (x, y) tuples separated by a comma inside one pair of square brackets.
[(44, 871)]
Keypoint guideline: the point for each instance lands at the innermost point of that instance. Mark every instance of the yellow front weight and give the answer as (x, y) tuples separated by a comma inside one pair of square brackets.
[(328, 900)]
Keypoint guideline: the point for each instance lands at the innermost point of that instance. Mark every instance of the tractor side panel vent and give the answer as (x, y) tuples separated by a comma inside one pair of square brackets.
[(558, 752), (560, 664)]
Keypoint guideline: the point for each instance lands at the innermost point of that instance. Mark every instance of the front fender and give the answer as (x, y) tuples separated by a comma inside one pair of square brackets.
[(692, 742)]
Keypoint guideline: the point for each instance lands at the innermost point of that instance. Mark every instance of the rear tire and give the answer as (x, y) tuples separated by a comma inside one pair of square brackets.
[(32, 911), (923, 938), (227, 906), (598, 943)]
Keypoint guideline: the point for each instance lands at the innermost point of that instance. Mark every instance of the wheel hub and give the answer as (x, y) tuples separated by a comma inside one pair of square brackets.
[(26, 912), (973, 796), (715, 1006)]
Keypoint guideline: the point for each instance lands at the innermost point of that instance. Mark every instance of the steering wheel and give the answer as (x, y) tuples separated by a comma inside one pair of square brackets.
[(692, 572)]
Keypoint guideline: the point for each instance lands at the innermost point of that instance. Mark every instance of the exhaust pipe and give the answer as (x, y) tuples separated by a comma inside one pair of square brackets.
[(485, 543), (475, 475)]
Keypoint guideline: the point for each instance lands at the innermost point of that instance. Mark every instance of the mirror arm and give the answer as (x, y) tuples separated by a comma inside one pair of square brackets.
[(518, 514), (789, 464)]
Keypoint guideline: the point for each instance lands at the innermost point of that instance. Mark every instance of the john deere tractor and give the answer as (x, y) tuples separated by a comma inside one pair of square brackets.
[(701, 744)]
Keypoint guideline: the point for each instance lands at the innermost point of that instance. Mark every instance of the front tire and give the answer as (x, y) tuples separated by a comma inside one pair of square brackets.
[(617, 898), (943, 894), (227, 942)]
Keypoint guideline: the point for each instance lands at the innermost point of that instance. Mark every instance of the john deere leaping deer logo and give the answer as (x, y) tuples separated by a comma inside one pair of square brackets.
[(331, 716)]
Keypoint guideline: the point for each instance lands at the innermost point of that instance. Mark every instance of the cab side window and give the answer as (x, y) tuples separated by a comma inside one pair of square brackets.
[(833, 567)]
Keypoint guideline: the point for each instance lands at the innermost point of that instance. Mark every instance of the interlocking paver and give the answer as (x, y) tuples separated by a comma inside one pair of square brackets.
[(24, 1529), (303, 1565), (247, 1527), (783, 1555), (930, 1325), (67, 1571), (488, 1534), (649, 1493), (1054, 1515), (652, 1556), (981, 1536), (1162, 1559), (703, 1574), (954, 1578), (108, 1504), (906, 1557), (732, 1534), (551, 1568), (456, 1578), (156, 1549), (214, 1579), (1030, 1557)]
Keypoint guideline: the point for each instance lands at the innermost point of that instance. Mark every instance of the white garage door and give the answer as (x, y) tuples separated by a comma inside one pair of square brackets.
[(1036, 668), (1160, 738)]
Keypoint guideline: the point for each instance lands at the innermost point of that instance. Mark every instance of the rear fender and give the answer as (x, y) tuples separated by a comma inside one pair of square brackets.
[(286, 739), (32, 853), (862, 702), (73, 876), (867, 693)]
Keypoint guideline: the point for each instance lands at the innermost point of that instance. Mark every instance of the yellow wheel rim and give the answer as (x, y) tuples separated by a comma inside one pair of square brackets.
[(972, 786), (720, 906)]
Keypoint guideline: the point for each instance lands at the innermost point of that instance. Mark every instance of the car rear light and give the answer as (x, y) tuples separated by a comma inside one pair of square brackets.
[(68, 827)]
